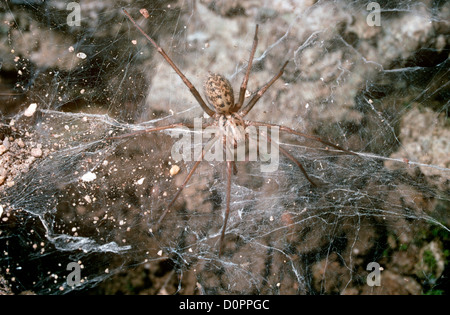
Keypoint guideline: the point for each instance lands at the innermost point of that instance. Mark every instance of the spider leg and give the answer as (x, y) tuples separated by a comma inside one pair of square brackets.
[(186, 180), (293, 159), (301, 134), (261, 92), (227, 211), (225, 149), (240, 102), (191, 87), (180, 189), (131, 134)]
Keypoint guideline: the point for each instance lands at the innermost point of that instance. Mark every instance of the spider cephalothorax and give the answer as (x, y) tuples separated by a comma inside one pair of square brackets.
[(232, 126)]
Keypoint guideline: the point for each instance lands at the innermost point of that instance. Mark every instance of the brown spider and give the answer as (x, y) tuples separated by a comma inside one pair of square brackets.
[(227, 116)]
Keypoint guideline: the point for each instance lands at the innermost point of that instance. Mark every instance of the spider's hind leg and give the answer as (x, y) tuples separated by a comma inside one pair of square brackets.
[(293, 159), (230, 165), (235, 171)]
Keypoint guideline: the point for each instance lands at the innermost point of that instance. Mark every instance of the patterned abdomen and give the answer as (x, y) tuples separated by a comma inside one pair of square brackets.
[(219, 92)]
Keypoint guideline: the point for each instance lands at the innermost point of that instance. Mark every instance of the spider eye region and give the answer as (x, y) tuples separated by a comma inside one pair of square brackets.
[(219, 93)]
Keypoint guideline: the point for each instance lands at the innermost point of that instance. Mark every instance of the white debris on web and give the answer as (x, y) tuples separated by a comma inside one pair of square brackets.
[(88, 177), (30, 110)]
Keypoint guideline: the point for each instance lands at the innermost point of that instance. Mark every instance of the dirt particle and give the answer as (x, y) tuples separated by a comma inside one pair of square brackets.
[(144, 13), (20, 143), (81, 55), (3, 149), (36, 152), (174, 170)]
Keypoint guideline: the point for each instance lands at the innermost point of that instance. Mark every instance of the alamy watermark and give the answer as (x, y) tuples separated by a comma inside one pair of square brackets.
[(218, 144), (74, 17), (374, 277), (74, 277), (374, 17)]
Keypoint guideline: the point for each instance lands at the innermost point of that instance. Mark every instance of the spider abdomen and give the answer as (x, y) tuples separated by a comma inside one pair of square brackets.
[(219, 93)]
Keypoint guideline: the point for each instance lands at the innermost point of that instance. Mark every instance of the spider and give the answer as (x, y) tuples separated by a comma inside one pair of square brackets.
[(228, 117)]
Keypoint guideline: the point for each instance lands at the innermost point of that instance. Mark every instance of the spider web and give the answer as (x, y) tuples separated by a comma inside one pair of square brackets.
[(70, 193)]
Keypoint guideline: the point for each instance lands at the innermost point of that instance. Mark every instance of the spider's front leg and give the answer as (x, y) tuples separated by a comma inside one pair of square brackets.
[(188, 83)]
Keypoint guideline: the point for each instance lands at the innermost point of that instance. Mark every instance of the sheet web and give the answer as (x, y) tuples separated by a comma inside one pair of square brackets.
[(380, 91)]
